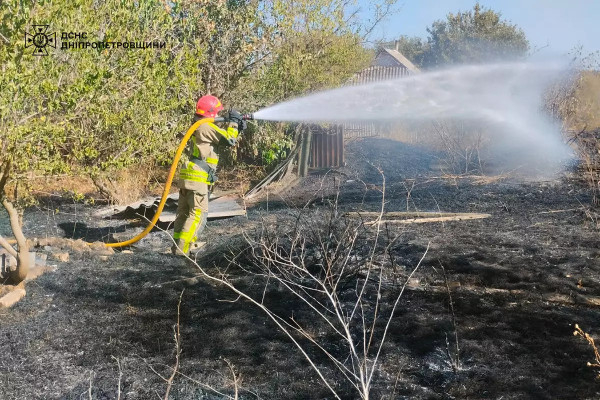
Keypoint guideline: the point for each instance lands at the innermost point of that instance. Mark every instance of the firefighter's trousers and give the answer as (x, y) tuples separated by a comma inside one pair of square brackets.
[(192, 210)]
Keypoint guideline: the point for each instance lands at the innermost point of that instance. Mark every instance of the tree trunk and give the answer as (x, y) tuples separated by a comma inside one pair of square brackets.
[(4, 243), (23, 262)]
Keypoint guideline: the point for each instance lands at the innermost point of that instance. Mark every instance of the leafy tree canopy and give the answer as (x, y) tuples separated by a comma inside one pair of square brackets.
[(92, 110), (475, 36)]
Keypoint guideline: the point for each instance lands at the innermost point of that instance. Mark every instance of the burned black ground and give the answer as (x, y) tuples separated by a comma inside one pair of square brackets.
[(519, 281)]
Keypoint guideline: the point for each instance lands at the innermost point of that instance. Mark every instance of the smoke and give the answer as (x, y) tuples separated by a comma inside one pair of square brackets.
[(505, 98)]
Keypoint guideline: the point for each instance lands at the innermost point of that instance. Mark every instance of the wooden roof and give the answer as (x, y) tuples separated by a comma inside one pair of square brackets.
[(393, 58)]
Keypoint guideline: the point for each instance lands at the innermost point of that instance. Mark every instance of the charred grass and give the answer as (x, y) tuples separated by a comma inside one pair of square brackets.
[(519, 281)]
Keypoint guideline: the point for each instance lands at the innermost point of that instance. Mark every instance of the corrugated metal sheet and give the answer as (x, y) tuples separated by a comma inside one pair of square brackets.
[(218, 207), (327, 147)]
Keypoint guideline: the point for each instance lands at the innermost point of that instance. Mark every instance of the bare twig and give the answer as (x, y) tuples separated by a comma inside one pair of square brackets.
[(235, 379), (189, 378), (389, 321), (90, 387), (590, 340), (454, 361), (408, 190), (120, 377), (177, 349)]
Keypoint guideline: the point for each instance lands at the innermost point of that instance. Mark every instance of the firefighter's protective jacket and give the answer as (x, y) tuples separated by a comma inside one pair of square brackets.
[(198, 171)]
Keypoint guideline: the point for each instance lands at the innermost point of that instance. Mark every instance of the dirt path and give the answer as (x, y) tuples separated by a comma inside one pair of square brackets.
[(79, 325)]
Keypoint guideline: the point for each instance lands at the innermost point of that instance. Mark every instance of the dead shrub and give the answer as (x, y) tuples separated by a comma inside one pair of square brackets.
[(573, 100), (127, 185), (462, 143), (590, 340), (587, 147), (337, 269)]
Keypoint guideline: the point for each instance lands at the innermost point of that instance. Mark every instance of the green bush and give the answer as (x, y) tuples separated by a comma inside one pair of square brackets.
[(92, 111)]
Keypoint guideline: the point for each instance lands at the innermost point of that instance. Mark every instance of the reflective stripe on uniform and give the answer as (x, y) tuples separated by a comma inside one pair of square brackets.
[(195, 151), (189, 235), (194, 178), (191, 174), (232, 132), (212, 162), (192, 232)]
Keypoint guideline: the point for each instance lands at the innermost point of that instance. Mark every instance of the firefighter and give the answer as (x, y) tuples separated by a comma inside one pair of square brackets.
[(197, 176)]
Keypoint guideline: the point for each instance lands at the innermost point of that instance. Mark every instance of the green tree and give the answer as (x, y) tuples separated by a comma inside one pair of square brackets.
[(475, 36), (315, 44), (94, 110)]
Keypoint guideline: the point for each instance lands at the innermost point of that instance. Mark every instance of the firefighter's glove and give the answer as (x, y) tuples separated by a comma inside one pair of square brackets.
[(236, 116), (212, 176), (242, 126)]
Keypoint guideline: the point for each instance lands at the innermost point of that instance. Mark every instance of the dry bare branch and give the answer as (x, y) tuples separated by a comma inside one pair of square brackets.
[(587, 337), (23, 260), (316, 257), (120, 377), (177, 337), (235, 379), (6, 245)]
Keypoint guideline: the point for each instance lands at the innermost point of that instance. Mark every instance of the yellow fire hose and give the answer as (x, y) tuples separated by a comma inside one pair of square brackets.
[(163, 200)]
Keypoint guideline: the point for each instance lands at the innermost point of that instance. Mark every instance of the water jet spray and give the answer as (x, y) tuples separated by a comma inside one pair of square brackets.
[(509, 95), (506, 99)]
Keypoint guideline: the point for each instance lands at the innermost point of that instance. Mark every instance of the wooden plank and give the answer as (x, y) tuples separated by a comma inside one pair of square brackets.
[(278, 173), (301, 149), (427, 220), (519, 295), (305, 146), (407, 214), (8, 300), (415, 217), (340, 137)]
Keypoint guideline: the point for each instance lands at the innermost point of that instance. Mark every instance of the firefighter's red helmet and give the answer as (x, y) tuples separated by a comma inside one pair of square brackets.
[(208, 106)]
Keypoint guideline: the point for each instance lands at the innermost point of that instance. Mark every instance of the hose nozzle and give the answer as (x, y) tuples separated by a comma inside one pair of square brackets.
[(247, 117)]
